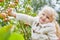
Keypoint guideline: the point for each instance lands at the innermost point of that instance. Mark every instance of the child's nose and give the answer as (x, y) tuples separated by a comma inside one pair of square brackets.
[(44, 17)]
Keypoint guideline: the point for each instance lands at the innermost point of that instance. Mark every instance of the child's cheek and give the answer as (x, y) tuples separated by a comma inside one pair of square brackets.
[(47, 20)]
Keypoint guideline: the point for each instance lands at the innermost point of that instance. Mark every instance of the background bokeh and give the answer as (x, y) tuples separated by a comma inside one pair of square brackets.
[(17, 30)]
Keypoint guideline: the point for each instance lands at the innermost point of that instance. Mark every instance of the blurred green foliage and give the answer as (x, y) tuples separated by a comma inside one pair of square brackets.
[(5, 32), (16, 36), (20, 30)]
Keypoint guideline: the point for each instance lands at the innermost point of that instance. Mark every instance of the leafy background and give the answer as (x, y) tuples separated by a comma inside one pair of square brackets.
[(17, 30)]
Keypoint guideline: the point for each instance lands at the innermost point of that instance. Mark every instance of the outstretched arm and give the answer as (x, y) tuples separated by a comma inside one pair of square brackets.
[(25, 18), (22, 17)]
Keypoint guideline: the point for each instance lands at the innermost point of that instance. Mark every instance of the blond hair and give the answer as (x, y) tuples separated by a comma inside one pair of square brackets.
[(49, 10), (57, 29)]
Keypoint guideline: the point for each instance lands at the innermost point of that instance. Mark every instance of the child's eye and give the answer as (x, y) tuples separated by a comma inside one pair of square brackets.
[(47, 17), (43, 14)]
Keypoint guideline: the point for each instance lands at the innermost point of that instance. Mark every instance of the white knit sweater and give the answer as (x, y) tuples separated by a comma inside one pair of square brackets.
[(40, 31)]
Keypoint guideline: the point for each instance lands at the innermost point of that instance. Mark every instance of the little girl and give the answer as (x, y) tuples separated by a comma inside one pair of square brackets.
[(44, 26)]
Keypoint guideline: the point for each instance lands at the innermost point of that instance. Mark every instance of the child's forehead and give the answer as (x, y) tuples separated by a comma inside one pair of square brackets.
[(47, 13)]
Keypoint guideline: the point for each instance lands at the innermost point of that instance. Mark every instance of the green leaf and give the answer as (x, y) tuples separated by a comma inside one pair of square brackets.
[(5, 32), (16, 36), (1, 3)]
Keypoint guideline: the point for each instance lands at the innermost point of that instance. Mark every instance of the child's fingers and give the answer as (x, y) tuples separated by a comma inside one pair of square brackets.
[(9, 10)]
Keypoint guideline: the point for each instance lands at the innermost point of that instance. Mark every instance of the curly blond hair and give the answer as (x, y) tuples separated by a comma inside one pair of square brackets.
[(49, 10)]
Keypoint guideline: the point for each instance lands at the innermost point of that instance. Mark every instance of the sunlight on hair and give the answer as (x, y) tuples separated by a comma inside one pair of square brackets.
[(50, 10)]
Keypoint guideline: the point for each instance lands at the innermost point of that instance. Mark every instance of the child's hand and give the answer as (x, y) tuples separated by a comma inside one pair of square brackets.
[(9, 11), (3, 15)]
